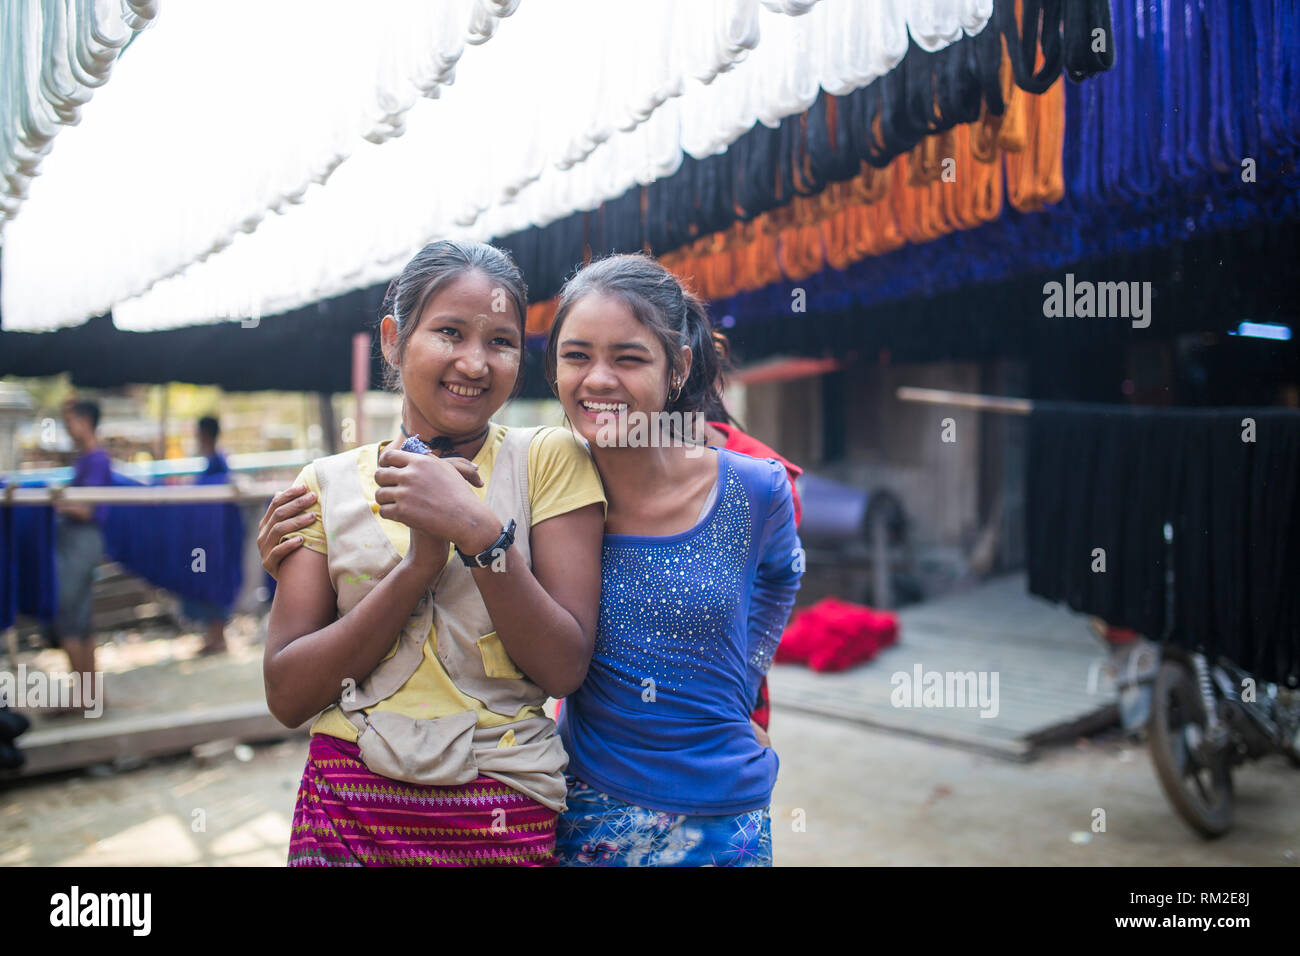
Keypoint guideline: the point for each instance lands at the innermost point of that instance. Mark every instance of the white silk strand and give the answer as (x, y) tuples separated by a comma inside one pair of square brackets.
[(571, 103)]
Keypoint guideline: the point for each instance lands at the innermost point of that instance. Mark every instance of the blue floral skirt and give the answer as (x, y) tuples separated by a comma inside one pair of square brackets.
[(600, 830)]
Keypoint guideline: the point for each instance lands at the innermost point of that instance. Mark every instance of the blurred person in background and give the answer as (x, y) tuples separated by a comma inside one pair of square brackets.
[(79, 543), (212, 616)]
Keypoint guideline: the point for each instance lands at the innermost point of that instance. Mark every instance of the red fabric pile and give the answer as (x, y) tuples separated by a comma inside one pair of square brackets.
[(833, 635)]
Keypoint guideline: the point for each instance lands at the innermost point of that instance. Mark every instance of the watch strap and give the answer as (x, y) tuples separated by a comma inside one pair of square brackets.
[(484, 558)]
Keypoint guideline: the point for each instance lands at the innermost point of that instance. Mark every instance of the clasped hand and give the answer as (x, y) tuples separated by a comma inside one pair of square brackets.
[(429, 495)]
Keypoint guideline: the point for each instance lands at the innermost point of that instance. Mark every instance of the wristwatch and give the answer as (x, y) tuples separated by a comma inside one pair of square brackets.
[(484, 558)]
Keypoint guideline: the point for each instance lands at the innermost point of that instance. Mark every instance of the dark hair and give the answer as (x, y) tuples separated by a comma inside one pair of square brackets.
[(209, 427), (87, 409), (661, 304), (717, 411), (432, 268)]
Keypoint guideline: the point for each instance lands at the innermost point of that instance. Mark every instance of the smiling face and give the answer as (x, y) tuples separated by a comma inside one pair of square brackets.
[(609, 363), (460, 362)]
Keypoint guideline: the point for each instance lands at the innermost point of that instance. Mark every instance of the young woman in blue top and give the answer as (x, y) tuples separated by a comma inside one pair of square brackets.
[(700, 565)]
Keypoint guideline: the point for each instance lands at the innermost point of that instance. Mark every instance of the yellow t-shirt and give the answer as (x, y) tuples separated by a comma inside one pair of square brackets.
[(561, 478)]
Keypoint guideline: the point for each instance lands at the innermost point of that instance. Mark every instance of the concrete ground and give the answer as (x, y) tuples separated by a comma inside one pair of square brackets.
[(875, 798), (862, 797)]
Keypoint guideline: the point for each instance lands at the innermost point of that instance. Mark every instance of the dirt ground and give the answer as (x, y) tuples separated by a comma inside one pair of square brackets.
[(846, 795), (158, 670)]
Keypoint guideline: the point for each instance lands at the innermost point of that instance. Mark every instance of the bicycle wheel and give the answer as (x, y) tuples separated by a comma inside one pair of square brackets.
[(1197, 782)]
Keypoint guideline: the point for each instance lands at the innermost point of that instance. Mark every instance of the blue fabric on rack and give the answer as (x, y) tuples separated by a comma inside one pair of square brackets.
[(1016, 244), (33, 556), (192, 550), (157, 542), (8, 570), (29, 581), (1153, 155)]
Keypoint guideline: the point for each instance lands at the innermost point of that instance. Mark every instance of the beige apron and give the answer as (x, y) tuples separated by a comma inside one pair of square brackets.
[(442, 751)]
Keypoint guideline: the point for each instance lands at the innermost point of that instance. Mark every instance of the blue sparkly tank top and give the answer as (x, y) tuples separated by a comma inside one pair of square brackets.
[(688, 625)]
